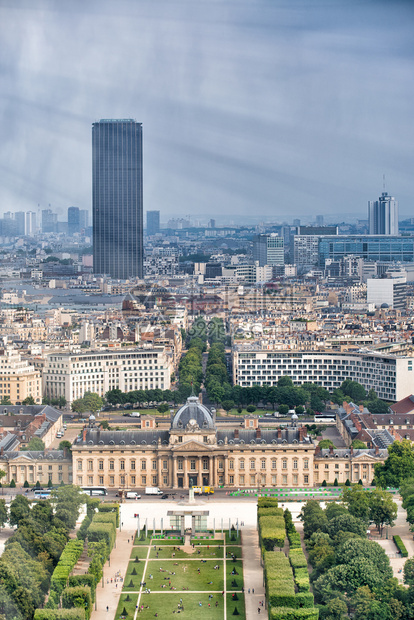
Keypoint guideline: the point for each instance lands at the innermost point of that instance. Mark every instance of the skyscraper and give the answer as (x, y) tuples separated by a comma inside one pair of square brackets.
[(73, 220), (117, 207), (153, 222), (268, 249), (383, 215)]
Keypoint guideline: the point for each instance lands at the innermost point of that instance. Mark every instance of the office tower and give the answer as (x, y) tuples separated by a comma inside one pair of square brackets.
[(49, 221), (388, 292), (268, 250), (153, 222), (117, 208), (73, 220), (83, 219), (319, 220), (30, 228), (20, 219), (383, 215)]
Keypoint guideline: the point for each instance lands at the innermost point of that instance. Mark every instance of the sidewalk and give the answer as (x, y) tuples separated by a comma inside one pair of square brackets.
[(253, 574), (110, 593)]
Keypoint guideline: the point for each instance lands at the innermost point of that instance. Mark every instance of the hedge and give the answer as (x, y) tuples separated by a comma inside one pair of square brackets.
[(272, 532), (301, 577), (400, 545), (280, 590), (83, 530), (269, 511), (294, 540), (102, 531), (304, 599), (84, 580), (266, 502), (297, 558), (79, 597), (110, 507), (105, 517), (60, 614), (285, 613), (68, 559)]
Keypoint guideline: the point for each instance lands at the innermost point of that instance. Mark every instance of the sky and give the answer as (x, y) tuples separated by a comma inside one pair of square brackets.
[(252, 110)]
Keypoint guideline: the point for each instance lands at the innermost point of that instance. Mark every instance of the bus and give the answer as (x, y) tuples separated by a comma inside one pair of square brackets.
[(94, 490), (325, 418), (42, 493)]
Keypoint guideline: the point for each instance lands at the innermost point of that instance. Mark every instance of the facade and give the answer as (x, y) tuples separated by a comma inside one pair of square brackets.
[(54, 466), (72, 374), (49, 221), (390, 291), (391, 376), (73, 220), (305, 251), (383, 215), (369, 247), (194, 452), (18, 379), (27, 421), (346, 464), (117, 198), (268, 250), (153, 223)]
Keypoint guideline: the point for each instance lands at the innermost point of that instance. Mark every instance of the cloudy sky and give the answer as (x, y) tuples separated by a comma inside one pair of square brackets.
[(251, 109)]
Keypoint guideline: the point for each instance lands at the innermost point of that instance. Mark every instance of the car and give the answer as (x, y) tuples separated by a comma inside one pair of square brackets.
[(128, 406), (165, 496)]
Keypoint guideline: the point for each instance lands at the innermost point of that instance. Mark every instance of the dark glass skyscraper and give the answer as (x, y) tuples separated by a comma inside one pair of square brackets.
[(117, 198), (153, 223)]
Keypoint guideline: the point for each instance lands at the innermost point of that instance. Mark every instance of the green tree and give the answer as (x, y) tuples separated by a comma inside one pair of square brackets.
[(313, 517), (409, 572), (326, 443), (227, 405), (35, 445), (353, 389), (336, 609), (65, 444), (346, 523), (357, 501), (19, 509), (382, 510), (398, 466), (29, 401), (5, 400), (358, 444), (283, 409), (4, 513)]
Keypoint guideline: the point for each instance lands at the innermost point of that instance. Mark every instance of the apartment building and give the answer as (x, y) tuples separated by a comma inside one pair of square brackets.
[(54, 466), (390, 376), (71, 374), (18, 379)]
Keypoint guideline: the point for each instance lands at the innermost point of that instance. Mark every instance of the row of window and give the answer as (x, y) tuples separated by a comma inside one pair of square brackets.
[(144, 464)]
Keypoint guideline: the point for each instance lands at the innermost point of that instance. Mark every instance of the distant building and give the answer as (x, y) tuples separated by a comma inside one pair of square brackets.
[(83, 218), (117, 198), (153, 223), (319, 220), (318, 230), (369, 247), (268, 250), (18, 380), (387, 291), (49, 221), (383, 215), (31, 225), (73, 221), (20, 219)]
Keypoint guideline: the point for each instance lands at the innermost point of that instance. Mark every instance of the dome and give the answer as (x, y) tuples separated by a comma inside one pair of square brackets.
[(384, 305), (193, 414)]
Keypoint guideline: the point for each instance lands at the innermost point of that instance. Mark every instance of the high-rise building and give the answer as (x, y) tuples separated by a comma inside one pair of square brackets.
[(30, 223), (268, 250), (83, 219), (117, 204), (73, 220), (20, 219), (383, 215), (49, 221), (153, 222)]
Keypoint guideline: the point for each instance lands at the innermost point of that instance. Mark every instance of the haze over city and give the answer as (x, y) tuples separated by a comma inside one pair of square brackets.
[(250, 111)]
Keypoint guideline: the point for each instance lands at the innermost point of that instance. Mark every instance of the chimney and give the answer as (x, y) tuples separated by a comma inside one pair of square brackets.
[(236, 433), (258, 433), (279, 433), (1, 451), (331, 449), (302, 433), (317, 451), (376, 449), (352, 450), (85, 430)]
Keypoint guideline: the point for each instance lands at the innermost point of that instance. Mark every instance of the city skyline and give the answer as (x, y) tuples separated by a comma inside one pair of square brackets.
[(250, 111)]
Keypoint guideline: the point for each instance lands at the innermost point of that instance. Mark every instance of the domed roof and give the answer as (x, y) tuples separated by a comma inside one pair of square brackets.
[(192, 415)]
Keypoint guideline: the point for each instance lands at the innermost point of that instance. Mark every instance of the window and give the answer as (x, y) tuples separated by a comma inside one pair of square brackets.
[(295, 463), (144, 480), (192, 464), (326, 465), (79, 466), (295, 479), (241, 480), (180, 464), (80, 480), (252, 479), (242, 464), (263, 464), (231, 464), (165, 464), (252, 464), (122, 480), (90, 465), (180, 439), (316, 466), (111, 480), (273, 463), (100, 465), (306, 479), (122, 465), (284, 479), (205, 438), (101, 480), (132, 464), (205, 464), (112, 465), (220, 464), (306, 464), (154, 464), (133, 483), (90, 479), (284, 463), (231, 479), (165, 480), (143, 465)]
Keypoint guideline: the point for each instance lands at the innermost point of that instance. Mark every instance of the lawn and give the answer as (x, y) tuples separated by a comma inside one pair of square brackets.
[(161, 552), (236, 604), (186, 574), (234, 575), (134, 574), (128, 605), (142, 541), (164, 606)]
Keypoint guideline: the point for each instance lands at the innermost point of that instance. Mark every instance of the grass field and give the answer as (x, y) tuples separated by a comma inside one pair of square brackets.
[(191, 583)]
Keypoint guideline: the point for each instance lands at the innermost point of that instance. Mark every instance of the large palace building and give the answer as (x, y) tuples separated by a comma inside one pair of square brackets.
[(193, 451)]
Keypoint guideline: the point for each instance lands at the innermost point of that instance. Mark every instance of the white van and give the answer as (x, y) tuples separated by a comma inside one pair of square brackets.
[(132, 495), (134, 414)]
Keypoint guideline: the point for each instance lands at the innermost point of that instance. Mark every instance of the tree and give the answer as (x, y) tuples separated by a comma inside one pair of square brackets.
[(227, 405), (35, 445), (398, 466), (5, 400), (19, 509), (283, 409), (358, 444), (336, 609), (409, 572), (382, 510), (346, 523), (29, 401), (65, 444), (4, 513), (357, 501), (313, 517), (353, 389), (326, 443)]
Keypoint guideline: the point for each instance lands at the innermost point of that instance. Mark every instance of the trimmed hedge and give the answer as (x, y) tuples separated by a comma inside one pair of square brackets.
[(400, 545), (304, 599), (84, 580), (266, 511), (302, 579), (110, 507), (285, 613), (297, 558), (294, 540), (83, 530), (102, 531), (68, 559), (266, 502), (78, 597), (280, 590), (59, 614), (272, 532)]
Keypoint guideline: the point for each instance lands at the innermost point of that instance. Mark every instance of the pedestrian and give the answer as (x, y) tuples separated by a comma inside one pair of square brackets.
[(252, 590), (248, 591), (258, 610), (128, 541), (107, 608)]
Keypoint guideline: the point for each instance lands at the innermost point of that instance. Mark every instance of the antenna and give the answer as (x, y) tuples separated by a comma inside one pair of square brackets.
[(383, 182)]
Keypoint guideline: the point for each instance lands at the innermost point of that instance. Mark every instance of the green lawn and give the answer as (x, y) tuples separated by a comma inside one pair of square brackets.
[(165, 605), (129, 606), (231, 569), (238, 604), (186, 575), (138, 569), (201, 552)]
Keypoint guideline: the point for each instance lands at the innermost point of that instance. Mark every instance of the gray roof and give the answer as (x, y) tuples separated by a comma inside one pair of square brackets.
[(346, 453), (192, 413), (127, 438), (289, 435), (35, 455), (9, 442)]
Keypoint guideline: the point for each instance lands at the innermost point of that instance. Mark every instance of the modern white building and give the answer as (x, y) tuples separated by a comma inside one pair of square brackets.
[(383, 215), (391, 376), (390, 291), (72, 374)]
